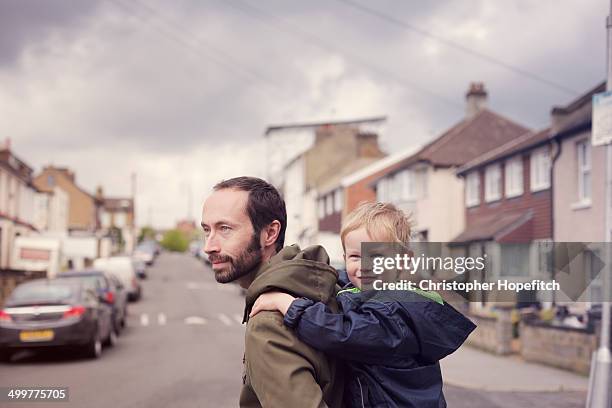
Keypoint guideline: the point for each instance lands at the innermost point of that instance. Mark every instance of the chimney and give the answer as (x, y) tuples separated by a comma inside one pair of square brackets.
[(557, 116), (475, 98), (99, 193)]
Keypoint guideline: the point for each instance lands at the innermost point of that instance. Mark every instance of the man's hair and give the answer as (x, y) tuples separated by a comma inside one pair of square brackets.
[(383, 222), (264, 205)]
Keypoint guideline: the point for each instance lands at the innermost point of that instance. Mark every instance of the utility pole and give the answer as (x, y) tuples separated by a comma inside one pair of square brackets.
[(189, 204), (600, 387)]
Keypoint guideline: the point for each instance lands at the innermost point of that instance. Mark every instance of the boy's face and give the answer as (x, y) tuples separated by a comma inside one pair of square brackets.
[(352, 257)]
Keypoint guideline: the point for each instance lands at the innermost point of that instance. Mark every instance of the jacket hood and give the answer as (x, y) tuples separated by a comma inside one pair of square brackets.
[(301, 273)]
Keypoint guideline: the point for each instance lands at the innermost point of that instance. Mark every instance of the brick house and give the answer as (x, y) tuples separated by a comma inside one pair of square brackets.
[(508, 208), (335, 150), (82, 206), (425, 184), (343, 193)]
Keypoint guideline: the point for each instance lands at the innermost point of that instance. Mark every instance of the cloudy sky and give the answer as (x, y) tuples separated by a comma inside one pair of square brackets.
[(180, 92)]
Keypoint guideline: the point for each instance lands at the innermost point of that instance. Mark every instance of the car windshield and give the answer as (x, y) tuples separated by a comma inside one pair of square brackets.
[(88, 281), (40, 292)]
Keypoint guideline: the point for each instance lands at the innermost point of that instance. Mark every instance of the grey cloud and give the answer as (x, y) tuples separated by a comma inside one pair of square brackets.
[(25, 21), (119, 77)]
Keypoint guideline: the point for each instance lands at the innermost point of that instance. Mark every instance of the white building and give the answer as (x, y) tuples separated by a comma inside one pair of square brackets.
[(17, 203), (302, 158), (426, 185), (51, 210)]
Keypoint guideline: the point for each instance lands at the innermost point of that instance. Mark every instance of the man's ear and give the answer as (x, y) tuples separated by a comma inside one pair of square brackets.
[(270, 233)]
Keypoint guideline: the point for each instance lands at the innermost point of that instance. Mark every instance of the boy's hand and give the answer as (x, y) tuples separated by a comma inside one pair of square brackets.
[(272, 301)]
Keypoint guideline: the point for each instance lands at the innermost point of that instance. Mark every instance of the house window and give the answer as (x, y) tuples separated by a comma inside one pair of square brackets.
[(120, 220), (406, 181), (584, 171), (329, 204), (338, 200), (420, 177), (492, 182), (394, 186), (592, 266), (3, 192), (50, 181), (514, 177), (105, 220), (382, 191), (321, 208), (540, 170), (514, 260), (472, 189)]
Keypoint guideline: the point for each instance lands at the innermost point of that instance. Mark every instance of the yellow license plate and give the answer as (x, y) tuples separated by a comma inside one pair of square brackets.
[(36, 335)]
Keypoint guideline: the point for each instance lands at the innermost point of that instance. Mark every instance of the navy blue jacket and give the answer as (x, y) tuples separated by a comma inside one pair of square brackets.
[(392, 340)]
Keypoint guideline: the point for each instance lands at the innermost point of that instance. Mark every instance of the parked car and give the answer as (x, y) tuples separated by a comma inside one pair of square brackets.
[(108, 287), (194, 248), (141, 268), (46, 313), (123, 268), (146, 251)]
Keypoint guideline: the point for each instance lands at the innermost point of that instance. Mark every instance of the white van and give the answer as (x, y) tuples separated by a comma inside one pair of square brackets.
[(123, 268)]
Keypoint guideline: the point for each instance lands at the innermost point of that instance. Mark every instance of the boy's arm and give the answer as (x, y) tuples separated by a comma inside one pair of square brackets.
[(364, 334)]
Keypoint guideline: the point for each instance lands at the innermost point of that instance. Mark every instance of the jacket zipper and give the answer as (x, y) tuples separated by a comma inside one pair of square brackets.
[(361, 392)]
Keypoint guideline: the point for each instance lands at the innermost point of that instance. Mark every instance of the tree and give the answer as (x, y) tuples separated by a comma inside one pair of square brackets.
[(175, 240), (146, 233)]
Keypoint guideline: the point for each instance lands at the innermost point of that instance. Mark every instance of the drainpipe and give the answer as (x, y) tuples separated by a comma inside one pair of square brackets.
[(557, 149)]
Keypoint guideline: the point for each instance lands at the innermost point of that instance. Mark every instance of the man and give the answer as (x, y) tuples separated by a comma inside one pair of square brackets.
[(244, 222)]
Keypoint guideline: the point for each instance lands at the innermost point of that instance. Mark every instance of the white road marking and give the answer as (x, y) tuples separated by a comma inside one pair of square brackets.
[(193, 285), (161, 319), (144, 319), (238, 318), (195, 320), (224, 319)]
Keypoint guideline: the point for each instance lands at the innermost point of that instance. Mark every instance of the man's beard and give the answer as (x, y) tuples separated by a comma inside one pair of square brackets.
[(242, 265)]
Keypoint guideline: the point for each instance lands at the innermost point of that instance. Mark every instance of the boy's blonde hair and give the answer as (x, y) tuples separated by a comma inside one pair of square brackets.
[(384, 222)]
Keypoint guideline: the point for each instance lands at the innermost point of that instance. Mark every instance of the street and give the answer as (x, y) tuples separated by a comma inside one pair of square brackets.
[(183, 348)]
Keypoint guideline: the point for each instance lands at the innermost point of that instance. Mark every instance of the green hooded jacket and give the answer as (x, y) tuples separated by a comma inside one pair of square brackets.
[(279, 369)]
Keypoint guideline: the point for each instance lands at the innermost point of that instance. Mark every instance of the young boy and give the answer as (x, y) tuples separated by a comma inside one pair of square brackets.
[(392, 341)]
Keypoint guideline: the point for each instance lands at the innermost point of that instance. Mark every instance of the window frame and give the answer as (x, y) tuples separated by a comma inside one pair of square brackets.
[(491, 196), (584, 169), (472, 189), (513, 177), (539, 169)]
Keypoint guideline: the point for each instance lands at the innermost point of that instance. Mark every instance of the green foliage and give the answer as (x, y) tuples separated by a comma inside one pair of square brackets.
[(146, 233), (175, 240), (117, 238)]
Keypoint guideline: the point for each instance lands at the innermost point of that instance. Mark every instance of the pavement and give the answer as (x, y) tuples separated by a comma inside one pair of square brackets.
[(476, 369)]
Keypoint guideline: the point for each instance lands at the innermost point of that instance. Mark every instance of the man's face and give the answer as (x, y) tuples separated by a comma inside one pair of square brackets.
[(230, 242)]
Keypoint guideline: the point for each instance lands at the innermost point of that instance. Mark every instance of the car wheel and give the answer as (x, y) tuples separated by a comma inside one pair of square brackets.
[(111, 340), (93, 349), (117, 327)]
